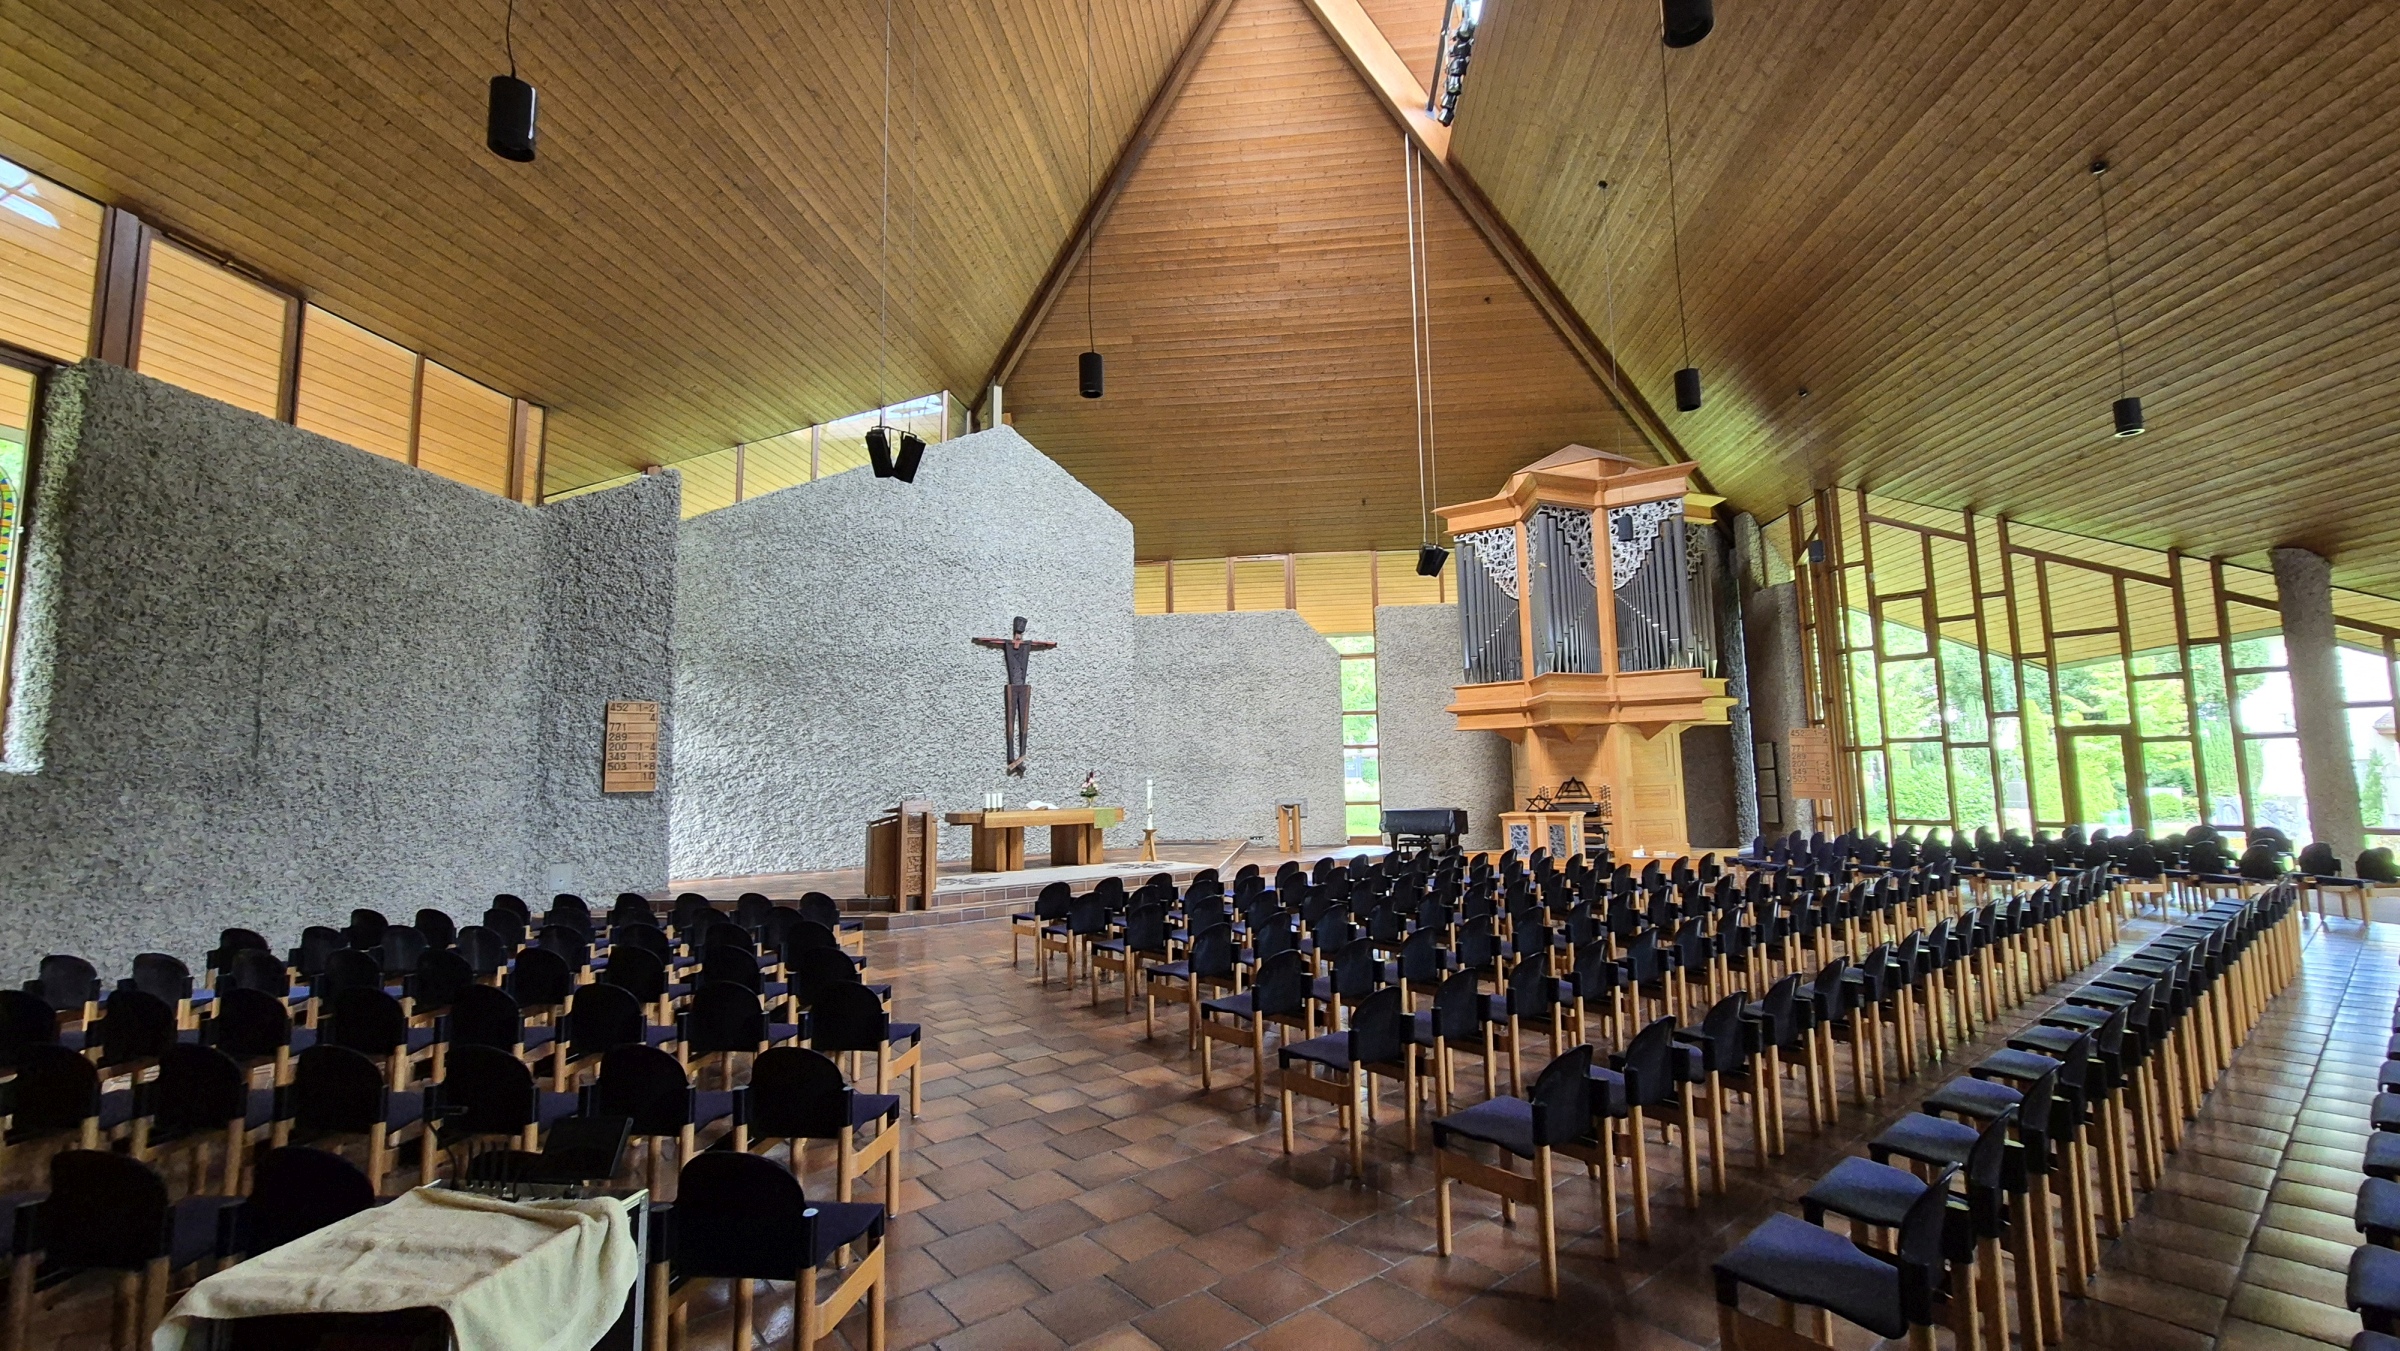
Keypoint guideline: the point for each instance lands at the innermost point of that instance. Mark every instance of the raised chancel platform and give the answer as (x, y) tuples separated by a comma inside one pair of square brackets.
[(962, 893)]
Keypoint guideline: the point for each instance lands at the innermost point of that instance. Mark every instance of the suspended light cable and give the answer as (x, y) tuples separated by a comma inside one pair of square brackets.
[(2127, 412), (1430, 556), (509, 117), (1091, 371), (1687, 379)]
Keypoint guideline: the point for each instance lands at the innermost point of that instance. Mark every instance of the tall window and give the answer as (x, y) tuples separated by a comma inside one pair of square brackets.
[(1362, 777)]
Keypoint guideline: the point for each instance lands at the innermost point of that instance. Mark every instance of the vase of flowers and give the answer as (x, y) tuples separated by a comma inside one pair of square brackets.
[(1091, 785)]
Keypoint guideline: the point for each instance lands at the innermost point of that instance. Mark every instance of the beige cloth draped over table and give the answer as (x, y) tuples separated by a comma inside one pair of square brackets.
[(547, 1276)]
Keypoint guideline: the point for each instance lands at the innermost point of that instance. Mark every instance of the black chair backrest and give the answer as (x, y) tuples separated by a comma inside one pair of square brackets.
[(106, 1211), (636, 935), (439, 976), (631, 907), (570, 910), (541, 979), (484, 1091), (1054, 903), (508, 924), (818, 908), (484, 950), (335, 1091), (295, 1191), (231, 941), (725, 1017), (603, 1017), (198, 1090), (1357, 970), (797, 1094), (1379, 1028), (250, 1025), (847, 1018), (637, 971), (1281, 990), (403, 948), (66, 983), (1458, 1007), (366, 929), (25, 1020), (317, 942), (645, 1084), (808, 933), (1531, 992), (366, 1020), (57, 1089), (162, 977), (1648, 1064), (741, 1216), (348, 969), (1146, 928), (514, 905), (573, 945), (438, 929), (1562, 1098), (723, 961), (812, 971), (750, 910), (485, 1016), (1211, 952), (135, 1027)]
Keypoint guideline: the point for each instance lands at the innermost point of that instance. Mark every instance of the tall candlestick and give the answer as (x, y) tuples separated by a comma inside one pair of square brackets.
[(1149, 804)]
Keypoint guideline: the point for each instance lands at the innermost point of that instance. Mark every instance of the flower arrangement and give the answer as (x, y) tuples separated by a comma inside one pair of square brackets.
[(1091, 785)]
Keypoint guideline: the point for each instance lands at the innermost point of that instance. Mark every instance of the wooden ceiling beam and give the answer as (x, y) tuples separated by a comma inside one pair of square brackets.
[(1370, 53), (1095, 211)]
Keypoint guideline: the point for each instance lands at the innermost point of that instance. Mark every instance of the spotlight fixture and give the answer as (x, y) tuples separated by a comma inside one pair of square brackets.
[(1090, 374), (912, 453), (1430, 558), (879, 451), (1687, 21), (2127, 411), (508, 126)]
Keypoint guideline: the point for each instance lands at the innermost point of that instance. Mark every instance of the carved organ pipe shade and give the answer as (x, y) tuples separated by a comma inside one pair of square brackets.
[(1687, 389), (1688, 21), (509, 129), (1089, 373)]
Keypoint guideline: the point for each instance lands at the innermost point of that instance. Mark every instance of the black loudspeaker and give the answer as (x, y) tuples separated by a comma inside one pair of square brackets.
[(1687, 389), (1688, 21), (509, 131), (1430, 558), (1088, 375), (879, 451), (912, 453), (2129, 416)]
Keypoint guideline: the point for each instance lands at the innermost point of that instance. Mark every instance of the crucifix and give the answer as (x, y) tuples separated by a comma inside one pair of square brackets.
[(1016, 706)]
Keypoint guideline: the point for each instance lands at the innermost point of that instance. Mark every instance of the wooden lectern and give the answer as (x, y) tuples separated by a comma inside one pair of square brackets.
[(903, 851)]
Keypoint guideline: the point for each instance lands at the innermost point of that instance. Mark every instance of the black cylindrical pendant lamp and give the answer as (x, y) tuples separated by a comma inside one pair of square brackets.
[(1688, 21), (1089, 375), (1430, 558), (1687, 390), (879, 451), (912, 453), (2129, 416), (509, 130)]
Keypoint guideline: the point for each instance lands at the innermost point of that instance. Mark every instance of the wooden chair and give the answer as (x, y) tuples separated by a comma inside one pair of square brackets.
[(740, 1218), (1557, 1114), (798, 1096)]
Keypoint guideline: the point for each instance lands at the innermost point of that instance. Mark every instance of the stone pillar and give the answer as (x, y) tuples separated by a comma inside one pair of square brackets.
[(1736, 543), (1771, 617), (2304, 595)]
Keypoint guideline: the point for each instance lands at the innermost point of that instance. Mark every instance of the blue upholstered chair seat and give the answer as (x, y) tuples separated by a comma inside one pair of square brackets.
[(840, 1222), (1795, 1260), (1862, 1189), (2383, 1155), (1969, 1096), (1506, 1122), (2016, 1066), (1332, 1049), (2385, 1115), (2375, 1282), (1927, 1139)]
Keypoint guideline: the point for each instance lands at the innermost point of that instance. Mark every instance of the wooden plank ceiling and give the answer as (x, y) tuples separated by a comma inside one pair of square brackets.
[(1250, 292), (1887, 203), (691, 262)]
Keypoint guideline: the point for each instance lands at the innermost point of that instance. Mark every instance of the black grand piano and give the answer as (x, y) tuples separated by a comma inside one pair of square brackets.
[(1421, 828)]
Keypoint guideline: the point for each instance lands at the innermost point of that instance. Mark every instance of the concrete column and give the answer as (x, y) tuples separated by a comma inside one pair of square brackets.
[(1735, 544), (2304, 595), (1771, 618)]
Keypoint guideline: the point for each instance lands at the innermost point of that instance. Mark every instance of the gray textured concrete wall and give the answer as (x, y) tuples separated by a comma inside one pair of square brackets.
[(824, 668), (1234, 714), (2304, 595), (268, 677), (608, 632), (1427, 761)]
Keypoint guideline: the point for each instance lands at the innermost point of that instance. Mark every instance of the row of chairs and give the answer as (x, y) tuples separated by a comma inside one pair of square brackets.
[(2036, 1151)]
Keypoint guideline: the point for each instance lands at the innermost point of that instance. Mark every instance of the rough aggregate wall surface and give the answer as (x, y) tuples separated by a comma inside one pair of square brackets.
[(1426, 760), (268, 699), (1235, 713), (608, 632), (824, 669), (1771, 632)]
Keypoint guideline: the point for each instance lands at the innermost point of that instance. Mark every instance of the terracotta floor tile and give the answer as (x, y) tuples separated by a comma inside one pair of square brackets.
[(1086, 1310), (1198, 1322), (1311, 1330), (1268, 1293)]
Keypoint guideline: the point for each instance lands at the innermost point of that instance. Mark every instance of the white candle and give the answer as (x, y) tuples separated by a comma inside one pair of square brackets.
[(1149, 804)]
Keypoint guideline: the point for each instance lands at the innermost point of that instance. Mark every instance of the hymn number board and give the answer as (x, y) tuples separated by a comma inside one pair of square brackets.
[(629, 763)]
